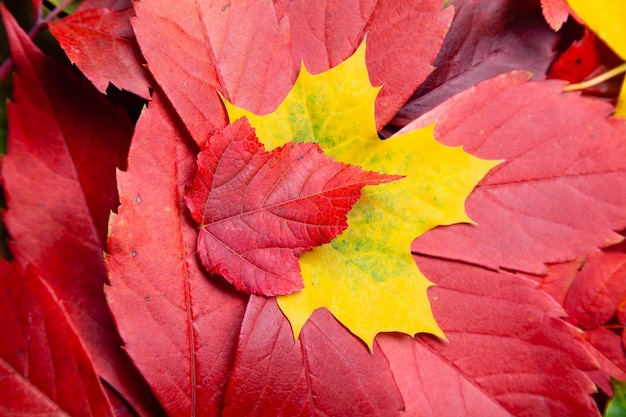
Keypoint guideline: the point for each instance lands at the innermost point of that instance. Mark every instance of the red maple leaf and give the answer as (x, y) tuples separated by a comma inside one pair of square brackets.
[(259, 210)]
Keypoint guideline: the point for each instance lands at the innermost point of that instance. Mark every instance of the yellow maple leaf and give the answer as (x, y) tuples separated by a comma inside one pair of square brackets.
[(366, 277), (607, 18)]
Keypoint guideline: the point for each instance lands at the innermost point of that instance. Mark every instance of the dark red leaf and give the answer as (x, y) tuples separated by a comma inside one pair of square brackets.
[(180, 326), (43, 364), (101, 42), (65, 142), (485, 39), (507, 352), (259, 210), (560, 192), (326, 372)]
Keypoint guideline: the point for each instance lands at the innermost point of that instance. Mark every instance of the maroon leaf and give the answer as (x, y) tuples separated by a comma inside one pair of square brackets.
[(65, 142), (259, 210), (101, 42), (179, 325), (326, 372), (43, 365), (485, 39)]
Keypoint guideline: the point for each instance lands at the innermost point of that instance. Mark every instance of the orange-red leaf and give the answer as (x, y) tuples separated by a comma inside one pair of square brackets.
[(259, 210)]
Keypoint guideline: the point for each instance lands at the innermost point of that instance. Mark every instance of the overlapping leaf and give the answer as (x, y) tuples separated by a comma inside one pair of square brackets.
[(65, 142), (44, 368), (507, 351), (179, 325), (592, 295), (99, 39), (561, 192), (326, 372), (252, 51), (485, 39), (258, 210), (366, 277)]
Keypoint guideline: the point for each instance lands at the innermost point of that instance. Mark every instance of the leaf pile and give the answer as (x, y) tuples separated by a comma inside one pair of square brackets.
[(469, 264)]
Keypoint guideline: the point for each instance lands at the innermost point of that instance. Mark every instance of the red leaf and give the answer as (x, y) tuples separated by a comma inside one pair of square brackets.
[(325, 372), (485, 39), (508, 353), (259, 210), (556, 12), (580, 60), (252, 51), (592, 298), (179, 325), (101, 42), (606, 347), (561, 192), (43, 364), (599, 289), (65, 142)]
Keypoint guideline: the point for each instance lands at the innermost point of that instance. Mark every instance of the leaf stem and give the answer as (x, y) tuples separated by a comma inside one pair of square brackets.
[(597, 80), (40, 22)]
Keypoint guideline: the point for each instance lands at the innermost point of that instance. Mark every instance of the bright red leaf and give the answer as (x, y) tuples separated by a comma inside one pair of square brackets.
[(485, 39), (44, 367), (325, 372), (507, 353), (99, 39), (560, 192), (252, 51), (180, 325), (259, 210), (579, 60), (65, 142)]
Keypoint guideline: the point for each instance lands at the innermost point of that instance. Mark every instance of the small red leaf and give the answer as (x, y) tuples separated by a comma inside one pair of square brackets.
[(259, 210), (599, 289), (327, 372), (42, 361), (556, 12), (101, 42)]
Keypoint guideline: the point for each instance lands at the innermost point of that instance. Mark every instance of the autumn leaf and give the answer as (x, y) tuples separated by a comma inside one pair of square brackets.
[(259, 210), (486, 39), (370, 260), (561, 192), (556, 12), (179, 326), (591, 292), (59, 174), (325, 372), (99, 39), (44, 367), (506, 348), (251, 52)]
